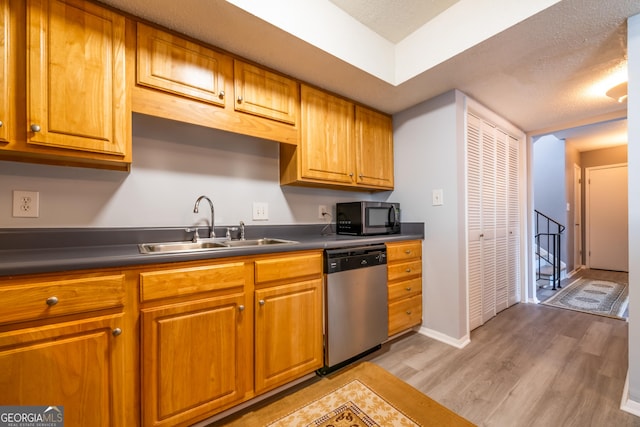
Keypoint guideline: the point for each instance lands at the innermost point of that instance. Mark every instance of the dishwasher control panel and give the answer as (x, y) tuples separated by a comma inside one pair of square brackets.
[(344, 259)]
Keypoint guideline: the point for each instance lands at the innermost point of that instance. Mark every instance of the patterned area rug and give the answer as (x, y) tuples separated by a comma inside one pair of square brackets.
[(363, 395), (593, 296)]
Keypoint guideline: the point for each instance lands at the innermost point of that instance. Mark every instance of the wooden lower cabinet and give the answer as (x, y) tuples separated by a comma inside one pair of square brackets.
[(63, 342), (194, 359), (77, 365), (288, 340), (288, 318), (404, 275), (196, 340)]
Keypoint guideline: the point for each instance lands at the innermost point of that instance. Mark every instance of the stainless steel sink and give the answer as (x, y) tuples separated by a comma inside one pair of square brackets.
[(206, 245), (257, 242)]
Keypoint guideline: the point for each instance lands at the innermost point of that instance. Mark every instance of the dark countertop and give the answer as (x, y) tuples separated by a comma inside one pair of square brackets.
[(26, 251)]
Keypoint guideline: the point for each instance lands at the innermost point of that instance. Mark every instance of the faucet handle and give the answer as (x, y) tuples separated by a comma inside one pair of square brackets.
[(196, 237), (242, 230)]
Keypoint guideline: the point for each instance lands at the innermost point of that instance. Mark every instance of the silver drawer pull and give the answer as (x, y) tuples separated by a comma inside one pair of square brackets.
[(241, 307), (408, 270), (409, 312), (408, 251), (261, 302), (51, 301), (408, 289), (116, 332)]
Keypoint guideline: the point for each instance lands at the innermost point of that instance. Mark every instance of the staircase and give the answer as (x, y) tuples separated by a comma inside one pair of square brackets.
[(548, 250)]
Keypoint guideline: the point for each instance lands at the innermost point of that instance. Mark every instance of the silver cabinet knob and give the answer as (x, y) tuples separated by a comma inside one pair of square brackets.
[(221, 94), (408, 251), (35, 128), (408, 312), (241, 307), (408, 270), (1, 123), (51, 301), (261, 302), (408, 289), (116, 332), (240, 99)]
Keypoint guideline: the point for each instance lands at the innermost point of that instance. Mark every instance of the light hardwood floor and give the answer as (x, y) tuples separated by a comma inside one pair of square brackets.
[(531, 365)]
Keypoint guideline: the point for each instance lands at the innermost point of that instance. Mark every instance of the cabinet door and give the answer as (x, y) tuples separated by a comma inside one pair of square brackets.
[(76, 365), (76, 77), (196, 359), (327, 135), (266, 94), (5, 95), (374, 148), (176, 65), (288, 333)]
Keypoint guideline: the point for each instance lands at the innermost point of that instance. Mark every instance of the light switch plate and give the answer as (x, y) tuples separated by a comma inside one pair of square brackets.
[(260, 211), (437, 197)]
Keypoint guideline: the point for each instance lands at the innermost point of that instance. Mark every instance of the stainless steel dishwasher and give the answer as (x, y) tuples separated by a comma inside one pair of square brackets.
[(355, 303)]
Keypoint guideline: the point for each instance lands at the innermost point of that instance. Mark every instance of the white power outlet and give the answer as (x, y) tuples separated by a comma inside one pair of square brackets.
[(322, 210), (26, 204), (260, 211)]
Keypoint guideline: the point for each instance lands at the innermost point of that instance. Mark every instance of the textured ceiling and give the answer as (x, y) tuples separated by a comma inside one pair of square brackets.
[(394, 19), (537, 73)]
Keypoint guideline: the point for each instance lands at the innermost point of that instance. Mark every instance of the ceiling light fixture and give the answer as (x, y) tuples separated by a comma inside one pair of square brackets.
[(618, 92)]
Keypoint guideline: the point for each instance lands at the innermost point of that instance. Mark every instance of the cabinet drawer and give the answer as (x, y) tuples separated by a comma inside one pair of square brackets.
[(187, 281), (405, 289), (288, 267), (404, 250), (404, 270), (405, 314), (44, 299)]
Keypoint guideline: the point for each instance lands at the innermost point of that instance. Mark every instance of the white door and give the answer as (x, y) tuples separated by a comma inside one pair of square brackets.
[(607, 218), (577, 217)]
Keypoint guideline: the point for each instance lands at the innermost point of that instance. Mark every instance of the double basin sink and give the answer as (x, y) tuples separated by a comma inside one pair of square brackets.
[(207, 245)]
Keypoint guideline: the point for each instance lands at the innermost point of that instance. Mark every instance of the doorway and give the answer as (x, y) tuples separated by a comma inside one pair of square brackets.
[(607, 227)]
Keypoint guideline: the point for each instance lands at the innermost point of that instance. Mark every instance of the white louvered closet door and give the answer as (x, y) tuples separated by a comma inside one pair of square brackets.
[(474, 221), (488, 235), (492, 217), (501, 209), (513, 290)]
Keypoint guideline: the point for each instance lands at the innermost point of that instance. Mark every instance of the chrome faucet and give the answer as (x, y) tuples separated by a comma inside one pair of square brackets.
[(242, 230), (195, 210)]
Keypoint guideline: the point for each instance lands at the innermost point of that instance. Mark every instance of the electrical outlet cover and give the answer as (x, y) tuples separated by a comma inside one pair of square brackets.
[(26, 204)]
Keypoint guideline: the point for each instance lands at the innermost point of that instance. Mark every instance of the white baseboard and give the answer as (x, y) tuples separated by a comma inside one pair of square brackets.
[(458, 343), (628, 405)]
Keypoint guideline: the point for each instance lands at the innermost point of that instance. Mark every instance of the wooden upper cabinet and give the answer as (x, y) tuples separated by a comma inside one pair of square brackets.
[(76, 78), (326, 147), (5, 72), (265, 94), (374, 148), (170, 63), (342, 145)]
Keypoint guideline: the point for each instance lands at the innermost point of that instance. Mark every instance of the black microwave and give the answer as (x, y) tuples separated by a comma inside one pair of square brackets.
[(367, 218)]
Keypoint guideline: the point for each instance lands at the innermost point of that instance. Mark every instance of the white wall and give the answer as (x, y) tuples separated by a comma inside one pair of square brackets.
[(173, 163), (550, 193), (429, 154), (633, 115)]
